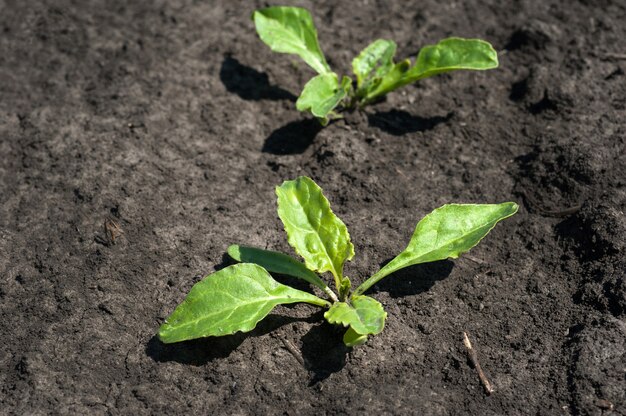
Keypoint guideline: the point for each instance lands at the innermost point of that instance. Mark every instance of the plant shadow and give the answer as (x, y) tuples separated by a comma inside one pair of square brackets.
[(250, 84), (323, 350), (292, 138), (198, 352), (414, 280), (225, 262), (399, 122)]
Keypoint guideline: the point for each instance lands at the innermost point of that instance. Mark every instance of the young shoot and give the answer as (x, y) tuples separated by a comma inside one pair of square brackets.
[(237, 297), (291, 30)]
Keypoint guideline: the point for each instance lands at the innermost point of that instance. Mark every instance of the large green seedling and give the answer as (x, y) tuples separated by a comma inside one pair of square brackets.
[(238, 297), (291, 30)]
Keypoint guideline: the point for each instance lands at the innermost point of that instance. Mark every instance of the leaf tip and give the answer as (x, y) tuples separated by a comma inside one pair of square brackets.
[(163, 334), (492, 54), (512, 208), (234, 252)]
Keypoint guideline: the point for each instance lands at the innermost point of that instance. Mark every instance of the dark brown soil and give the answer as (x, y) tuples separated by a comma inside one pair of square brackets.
[(174, 120)]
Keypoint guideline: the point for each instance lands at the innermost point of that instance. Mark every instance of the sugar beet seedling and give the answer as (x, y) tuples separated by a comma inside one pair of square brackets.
[(291, 30), (237, 297)]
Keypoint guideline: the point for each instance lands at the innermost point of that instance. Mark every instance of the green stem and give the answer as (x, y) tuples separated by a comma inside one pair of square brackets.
[(344, 288), (370, 282), (319, 302)]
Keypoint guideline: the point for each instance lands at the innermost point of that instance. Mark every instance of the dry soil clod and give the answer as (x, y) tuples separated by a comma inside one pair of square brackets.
[(473, 356)]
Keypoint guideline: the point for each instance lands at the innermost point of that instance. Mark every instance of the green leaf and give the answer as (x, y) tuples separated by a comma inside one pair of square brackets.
[(291, 30), (453, 54), (364, 316), (448, 55), (275, 262), (373, 62), (233, 299), (322, 94), (312, 228), (445, 233), (352, 339)]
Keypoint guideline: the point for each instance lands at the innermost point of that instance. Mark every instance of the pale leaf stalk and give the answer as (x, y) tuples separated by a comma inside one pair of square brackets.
[(329, 292)]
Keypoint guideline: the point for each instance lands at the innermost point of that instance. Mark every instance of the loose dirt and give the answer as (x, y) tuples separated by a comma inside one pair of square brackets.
[(172, 123)]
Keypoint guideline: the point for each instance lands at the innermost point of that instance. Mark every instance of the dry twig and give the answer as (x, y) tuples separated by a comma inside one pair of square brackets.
[(561, 213), (293, 351), (616, 56), (112, 229), (473, 356)]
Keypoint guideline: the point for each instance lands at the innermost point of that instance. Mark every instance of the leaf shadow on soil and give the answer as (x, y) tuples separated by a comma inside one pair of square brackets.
[(198, 352), (292, 138), (414, 280), (250, 84), (323, 351), (399, 122)]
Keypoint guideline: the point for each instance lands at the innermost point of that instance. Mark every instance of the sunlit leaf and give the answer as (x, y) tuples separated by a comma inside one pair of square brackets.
[(233, 299), (450, 54), (453, 54), (275, 262), (373, 62), (291, 30), (313, 230), (322, 94), (364, 316), (445, 233)]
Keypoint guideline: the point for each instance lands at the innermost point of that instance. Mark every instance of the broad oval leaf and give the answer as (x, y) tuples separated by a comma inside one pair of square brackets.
[(365, 315), (291, 30), (374, 61), (322, 94), (450, 55), (233, 299), (275, 262), (313, 230), (445, 233)]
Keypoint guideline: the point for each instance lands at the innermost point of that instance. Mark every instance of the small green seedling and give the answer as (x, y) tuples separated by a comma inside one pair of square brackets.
[(237, 297), (291, 30)]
